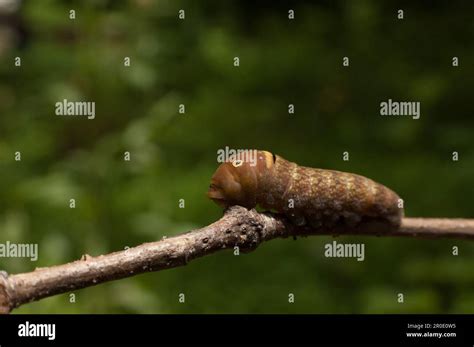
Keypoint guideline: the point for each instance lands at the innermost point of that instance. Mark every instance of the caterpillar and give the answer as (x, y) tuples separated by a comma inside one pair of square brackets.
[(320, 198)]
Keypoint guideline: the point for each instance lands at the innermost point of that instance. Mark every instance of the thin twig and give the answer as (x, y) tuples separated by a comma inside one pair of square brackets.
[(239, 227)]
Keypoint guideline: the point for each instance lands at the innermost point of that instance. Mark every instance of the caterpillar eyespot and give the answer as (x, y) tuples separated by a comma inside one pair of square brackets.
[(237, 162), (306, 195)]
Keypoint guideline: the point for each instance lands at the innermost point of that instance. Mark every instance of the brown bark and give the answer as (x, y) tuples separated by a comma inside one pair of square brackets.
[(238, 227)]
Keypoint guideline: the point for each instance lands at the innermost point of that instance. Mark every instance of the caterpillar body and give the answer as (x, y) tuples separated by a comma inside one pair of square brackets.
[(320, 198)]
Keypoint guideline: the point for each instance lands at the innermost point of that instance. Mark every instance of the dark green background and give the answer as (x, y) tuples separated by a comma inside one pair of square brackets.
[(173, 156)]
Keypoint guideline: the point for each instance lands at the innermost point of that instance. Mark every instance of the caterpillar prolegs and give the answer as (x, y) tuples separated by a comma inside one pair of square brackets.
[(306, 195)]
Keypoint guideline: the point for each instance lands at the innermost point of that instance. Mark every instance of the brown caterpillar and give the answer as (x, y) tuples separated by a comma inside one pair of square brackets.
[(305, 195)]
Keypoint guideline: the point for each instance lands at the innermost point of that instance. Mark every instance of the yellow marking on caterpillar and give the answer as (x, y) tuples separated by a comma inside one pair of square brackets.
[(268, 159)]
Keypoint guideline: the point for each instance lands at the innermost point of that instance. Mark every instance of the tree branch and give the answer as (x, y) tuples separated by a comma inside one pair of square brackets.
[(238, 227)]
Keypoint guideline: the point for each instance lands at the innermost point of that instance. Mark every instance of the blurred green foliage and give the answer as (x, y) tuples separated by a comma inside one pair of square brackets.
[(173, 155)]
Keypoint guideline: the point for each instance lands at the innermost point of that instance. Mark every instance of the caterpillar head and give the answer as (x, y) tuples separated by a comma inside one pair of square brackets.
[(236, 182)]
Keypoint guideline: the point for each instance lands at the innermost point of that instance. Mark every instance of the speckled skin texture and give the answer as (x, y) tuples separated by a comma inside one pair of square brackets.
[(320, 198)]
